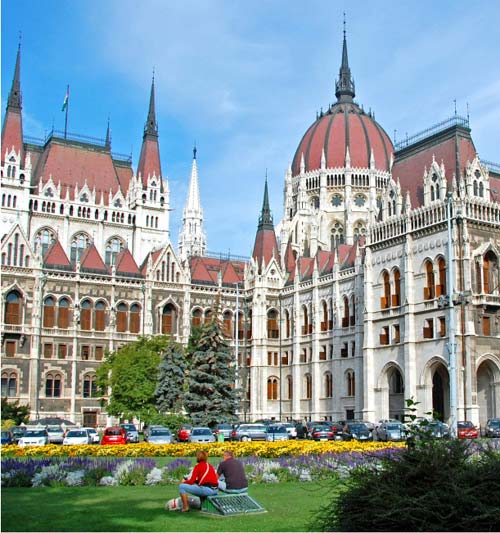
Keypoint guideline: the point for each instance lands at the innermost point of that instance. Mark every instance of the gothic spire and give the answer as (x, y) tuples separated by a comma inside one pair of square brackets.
[(151, 127), (193, 203), (344, 87), (108, 136), (266, 219), (14, 101)]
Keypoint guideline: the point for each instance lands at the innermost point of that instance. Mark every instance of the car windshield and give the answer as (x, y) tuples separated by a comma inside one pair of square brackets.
[(357, 427), (201, 431), (76, 433), (54, 429), (495, 422), (393, 426), (256, 428), (160, 432), (36, 433), (129, 427), (113, 432), (5, 434), (18, 431), (276, 429), (91, 430), (463, 425), (224, 426)]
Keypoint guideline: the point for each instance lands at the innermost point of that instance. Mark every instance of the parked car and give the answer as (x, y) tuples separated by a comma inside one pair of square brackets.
[(467, 430), (132, 433), (322, 432), (369, 425), (7, 437), (93, 435), (492, 428), (390, 431), (56, 434), (147, 430), (34, 437), (356, 431), (225, 429), (201, 434), (114, 435), (438, 429), (183, 432), (246, 432), (17, 433), (159, 435), (311, 425), (301, 430), (336, 427), (277, 432), (292, 430), (76, 436)]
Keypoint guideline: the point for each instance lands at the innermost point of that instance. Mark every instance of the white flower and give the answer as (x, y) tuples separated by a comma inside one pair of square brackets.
[(108, 481), (73, 479), (154, 477)]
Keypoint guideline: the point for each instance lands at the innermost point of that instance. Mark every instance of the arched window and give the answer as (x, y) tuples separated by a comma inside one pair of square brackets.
[(113, 247), (168, 320), (48, 312), (53, 386), (287, 324), (324, 317), (345, 318), (385, 300), (86, 315), (396, 297), (289, 387), (441, 288), (272, 324), (13, 309), (359, 230), (307, 386), (196, 319), (227, 319), (79, 242), (481, 191), (135, 318), (208, 315), (63, 314), (350, 383), (490, 273), (272, 388), (43, 239), (121, 317), (9, 384), (305, 318), (396, 385), (337, 235), (429, 281), (99, 316), (328, 380), (352, 315), (89, 386)]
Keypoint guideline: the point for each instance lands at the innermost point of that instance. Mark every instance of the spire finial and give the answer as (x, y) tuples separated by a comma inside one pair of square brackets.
[(266, 219), (151, 127), (344, 25), (194, 150), (14, 100), (108, 136), (344, 87)]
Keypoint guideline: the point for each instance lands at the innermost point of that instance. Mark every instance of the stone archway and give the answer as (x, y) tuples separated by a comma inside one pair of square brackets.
[(440, 392), (486, 391), (396, 393)]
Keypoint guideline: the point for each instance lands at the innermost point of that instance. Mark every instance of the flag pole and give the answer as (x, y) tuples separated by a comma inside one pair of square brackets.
[(66, 118)]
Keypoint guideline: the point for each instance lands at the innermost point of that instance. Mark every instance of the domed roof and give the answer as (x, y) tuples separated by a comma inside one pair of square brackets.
[(344, 126)]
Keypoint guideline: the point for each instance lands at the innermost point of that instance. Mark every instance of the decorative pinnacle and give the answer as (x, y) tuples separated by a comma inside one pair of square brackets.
[(265, 219), (344, 87), (194, 150), (151, 127)]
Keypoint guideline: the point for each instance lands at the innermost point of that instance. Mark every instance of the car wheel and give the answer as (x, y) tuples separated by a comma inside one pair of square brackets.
[(245, 438)]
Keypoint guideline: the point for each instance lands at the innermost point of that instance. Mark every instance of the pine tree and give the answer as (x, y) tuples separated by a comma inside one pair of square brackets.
[(211, 398), (171, 379)]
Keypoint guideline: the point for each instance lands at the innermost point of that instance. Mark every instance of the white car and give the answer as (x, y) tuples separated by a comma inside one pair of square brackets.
[(291, 429), (76, 436), (93, 434), (34, 437)]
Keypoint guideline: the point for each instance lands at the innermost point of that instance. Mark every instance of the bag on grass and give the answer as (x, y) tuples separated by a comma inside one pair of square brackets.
[(175, 504)]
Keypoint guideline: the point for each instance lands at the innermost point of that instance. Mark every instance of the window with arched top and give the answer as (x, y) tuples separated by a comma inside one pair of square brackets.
[(9, 384), (79, 242), (168, 320), (100, 316), (272, 388), (86, 315), (121, 317), (307, 387), (135, 318), (324, 316), (352, 311), (491, 278), (288, 328), (53, 385), (49, 312), (441, 287), (113, 247), (385, 300), (328, 384), (13, 308), (63, 313), (289, 387), (305, 320), (359, 230), (336, 235), (227, 319), (272, 324), (89, 386), (196, 317), (396, 297), (208, 315), (43, 239), (350, 383), (429, 281), (345, 317)]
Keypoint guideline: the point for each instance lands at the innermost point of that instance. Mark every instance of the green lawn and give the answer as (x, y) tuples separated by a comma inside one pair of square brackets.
[(289, 507)]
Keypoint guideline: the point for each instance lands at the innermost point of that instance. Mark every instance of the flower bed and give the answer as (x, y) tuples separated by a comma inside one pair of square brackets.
[(240, 449)]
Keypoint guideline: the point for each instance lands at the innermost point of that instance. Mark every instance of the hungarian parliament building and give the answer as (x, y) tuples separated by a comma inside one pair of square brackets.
[(380, 283)]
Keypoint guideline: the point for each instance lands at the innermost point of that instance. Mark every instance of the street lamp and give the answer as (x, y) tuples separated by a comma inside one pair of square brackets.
[(143, 289), (43, 281)]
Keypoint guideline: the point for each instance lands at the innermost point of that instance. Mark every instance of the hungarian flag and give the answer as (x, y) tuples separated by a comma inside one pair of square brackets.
[(66, 98)]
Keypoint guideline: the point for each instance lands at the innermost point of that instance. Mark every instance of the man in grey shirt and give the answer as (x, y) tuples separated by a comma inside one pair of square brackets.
[(231, 474)]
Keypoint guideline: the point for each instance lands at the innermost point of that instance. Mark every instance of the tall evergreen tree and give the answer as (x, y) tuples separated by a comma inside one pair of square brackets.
[(211, 397), (171, 379)]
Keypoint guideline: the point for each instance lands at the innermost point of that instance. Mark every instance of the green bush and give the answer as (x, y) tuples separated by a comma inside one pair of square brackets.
[(432, 487)]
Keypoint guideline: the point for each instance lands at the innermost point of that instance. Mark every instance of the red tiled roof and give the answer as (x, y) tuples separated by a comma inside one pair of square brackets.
[(206, 270), (325, 261), (73, 164), (12, 132), (91, 260), (265, 247), (125, 263), (149, 161), (289, 258), (56, 256), (154, 257)]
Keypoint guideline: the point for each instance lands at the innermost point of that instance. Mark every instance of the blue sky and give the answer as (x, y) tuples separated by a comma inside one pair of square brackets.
[(245, 79)]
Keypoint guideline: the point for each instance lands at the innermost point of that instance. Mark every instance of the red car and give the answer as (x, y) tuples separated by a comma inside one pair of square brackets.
[(184, 433), (114, 435), (467, 430)]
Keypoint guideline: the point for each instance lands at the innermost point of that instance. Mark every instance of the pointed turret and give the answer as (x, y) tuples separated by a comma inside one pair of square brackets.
[(344, 87), (149, 161), (108, 136), (266, 245), (192, 240), (12, 130)]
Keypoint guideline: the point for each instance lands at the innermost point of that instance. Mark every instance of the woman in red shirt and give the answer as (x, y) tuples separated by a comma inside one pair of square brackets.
[(203, 480)]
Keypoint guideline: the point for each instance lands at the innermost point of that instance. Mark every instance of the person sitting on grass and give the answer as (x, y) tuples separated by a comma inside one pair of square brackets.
[(231, 473), (203, 481)]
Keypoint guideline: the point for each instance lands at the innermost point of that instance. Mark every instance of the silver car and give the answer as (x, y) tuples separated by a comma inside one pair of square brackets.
[(56, 434), (246, 432), (201, 434), (277, 432), (34, 437), (159, 435), (394, 431)]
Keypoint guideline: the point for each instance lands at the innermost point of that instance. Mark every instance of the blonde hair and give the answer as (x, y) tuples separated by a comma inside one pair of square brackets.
[(201, 455)]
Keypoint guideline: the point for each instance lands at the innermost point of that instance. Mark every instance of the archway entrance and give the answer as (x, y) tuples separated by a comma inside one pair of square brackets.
[(440, 392), (396, 394), (486, 400)]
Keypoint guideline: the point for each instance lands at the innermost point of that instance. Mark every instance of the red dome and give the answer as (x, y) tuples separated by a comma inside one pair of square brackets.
[(345, 125)]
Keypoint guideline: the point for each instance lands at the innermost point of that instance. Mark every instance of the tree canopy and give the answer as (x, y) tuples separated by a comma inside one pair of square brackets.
[(171, 379)]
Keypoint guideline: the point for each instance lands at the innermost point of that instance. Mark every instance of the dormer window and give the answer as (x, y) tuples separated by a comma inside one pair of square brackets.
[(12, 159), (84, 198), (49, 193), (118, 203), (153, 184)]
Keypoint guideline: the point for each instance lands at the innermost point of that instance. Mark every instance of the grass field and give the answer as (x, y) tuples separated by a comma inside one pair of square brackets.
[(289, 506)]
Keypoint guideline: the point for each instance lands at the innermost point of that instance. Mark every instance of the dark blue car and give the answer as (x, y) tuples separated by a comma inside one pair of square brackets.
[(7, 437)]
